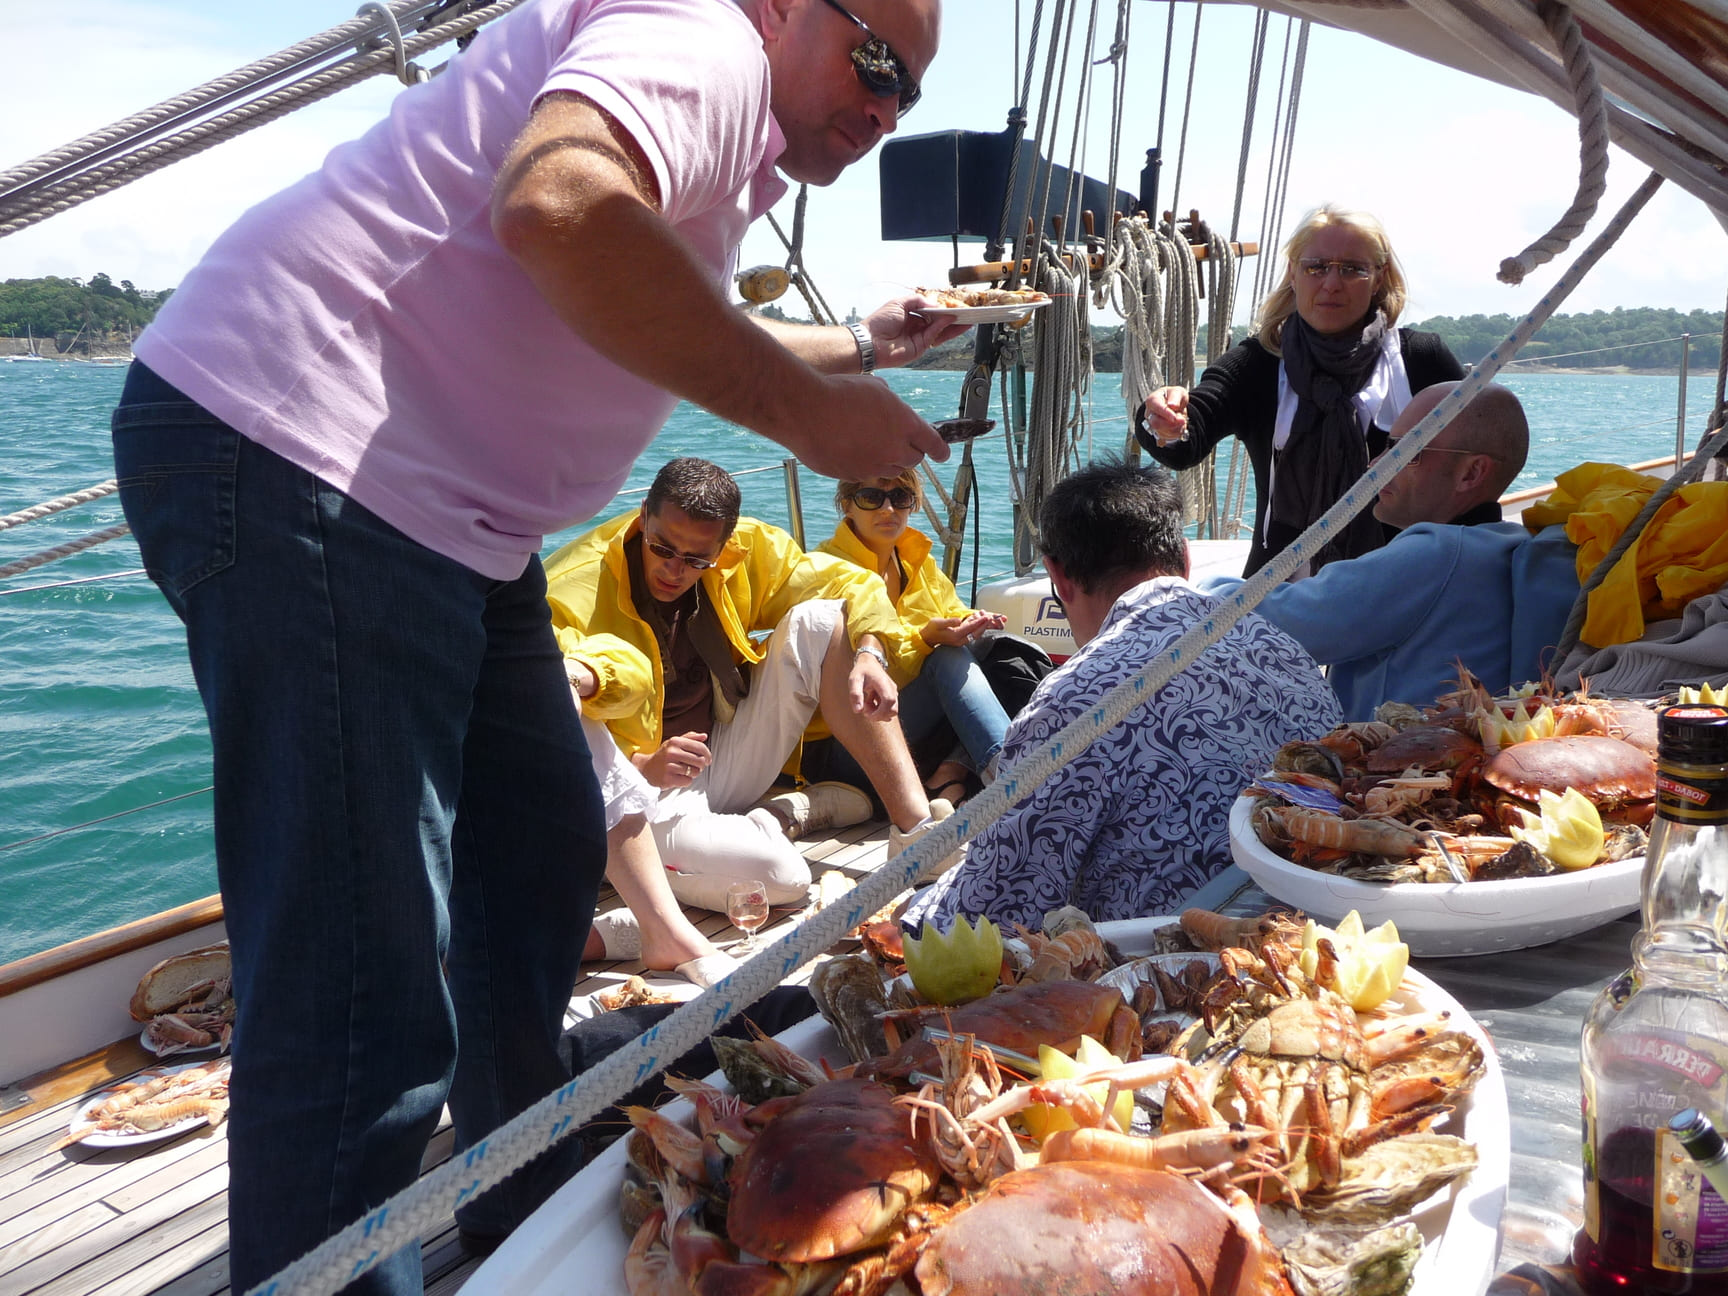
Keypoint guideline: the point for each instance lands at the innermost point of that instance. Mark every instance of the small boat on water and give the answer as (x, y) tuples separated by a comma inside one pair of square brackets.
[(143, 1220)]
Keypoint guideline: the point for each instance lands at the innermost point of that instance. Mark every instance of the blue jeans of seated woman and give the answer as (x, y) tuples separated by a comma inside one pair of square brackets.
[(409, 838), (950, 686)]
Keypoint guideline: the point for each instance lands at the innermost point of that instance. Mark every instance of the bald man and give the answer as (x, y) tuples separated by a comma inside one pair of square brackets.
[(1455, 584)]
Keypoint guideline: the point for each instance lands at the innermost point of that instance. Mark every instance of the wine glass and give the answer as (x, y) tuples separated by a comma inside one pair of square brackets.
[(747, 907)]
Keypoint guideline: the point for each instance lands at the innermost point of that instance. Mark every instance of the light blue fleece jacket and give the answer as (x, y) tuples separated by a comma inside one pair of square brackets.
[(1392, 624)]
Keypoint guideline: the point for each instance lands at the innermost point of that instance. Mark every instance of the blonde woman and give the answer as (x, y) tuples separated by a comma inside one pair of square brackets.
[(934, 665), (1313, 393)]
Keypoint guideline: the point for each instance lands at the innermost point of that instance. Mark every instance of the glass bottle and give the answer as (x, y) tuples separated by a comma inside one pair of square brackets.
[(1656, 1041)]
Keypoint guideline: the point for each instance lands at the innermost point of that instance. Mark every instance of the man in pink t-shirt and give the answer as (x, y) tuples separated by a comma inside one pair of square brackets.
[(344, 441)]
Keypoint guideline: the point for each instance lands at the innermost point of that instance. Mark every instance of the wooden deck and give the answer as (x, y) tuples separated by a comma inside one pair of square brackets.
[(155, 1218)]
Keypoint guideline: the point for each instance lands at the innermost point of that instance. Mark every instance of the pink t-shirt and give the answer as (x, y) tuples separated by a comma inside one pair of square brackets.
[(365, 324)]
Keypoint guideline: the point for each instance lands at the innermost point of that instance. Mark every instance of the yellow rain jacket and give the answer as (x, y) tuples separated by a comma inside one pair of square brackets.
[(1682, 552), (928, 593), (761, 575)]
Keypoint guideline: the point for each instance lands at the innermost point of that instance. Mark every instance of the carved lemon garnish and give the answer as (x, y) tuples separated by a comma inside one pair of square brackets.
[(1568, 830), (1522, 725), (1369, 966), (1705, 694), (1043, 1120), (958, 967)]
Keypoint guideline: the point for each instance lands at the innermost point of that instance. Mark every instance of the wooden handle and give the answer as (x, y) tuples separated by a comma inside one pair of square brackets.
[(990, 271)]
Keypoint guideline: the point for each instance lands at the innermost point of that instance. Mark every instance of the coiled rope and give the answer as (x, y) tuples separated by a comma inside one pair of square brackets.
[(32, 192), (1592, 144), (48, 507), (344, 1257)]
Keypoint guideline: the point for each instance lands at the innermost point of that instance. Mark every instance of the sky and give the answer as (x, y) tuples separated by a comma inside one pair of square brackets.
[(1462, 172)]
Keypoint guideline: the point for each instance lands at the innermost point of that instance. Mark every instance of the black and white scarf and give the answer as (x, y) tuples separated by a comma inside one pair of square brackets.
[(1327, 450)]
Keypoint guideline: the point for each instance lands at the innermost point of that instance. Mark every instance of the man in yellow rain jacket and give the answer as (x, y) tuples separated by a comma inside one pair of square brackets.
[(654, 612)]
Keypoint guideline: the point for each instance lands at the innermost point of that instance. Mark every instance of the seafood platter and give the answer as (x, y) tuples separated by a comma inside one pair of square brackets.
[(159, 1103), (1482, 824), (186, 1002), (1026, 1140), (1012, 306)]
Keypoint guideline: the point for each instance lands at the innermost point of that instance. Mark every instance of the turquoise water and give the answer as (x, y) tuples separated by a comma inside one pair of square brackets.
[(98, 715)]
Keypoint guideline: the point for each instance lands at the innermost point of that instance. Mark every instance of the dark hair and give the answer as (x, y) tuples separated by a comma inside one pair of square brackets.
[(1112, 518), (702, 489)]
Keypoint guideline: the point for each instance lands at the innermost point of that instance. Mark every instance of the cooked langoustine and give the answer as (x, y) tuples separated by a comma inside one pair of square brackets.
[(157, 1104)]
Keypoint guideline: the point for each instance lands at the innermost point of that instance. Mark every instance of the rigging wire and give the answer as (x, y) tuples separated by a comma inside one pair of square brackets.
[(1187, 106)]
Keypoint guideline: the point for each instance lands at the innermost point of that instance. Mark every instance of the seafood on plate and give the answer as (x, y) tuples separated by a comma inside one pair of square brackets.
[(1466, 791), (186, 1001), (156, 1101), (965, 298), (1000, 1147)]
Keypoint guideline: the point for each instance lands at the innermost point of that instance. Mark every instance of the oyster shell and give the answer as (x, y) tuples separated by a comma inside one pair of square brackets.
[(1341, 1260), (851, 997)]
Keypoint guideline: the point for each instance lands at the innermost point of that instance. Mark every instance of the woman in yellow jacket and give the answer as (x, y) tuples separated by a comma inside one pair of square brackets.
[(932, 660)]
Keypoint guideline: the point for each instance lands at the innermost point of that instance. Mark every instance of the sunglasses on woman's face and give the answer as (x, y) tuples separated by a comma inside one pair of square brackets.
[(881, 71), (871, 498), (1315, 268)]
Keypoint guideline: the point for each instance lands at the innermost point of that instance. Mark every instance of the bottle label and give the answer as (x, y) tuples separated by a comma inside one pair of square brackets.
[(1692, 794), (1691, 1223)]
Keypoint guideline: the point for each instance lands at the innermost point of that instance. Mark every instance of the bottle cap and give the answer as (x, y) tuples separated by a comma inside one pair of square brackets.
[(1693, 734), (1696, 1134)]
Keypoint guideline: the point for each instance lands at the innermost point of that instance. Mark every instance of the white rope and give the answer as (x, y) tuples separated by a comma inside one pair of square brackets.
[(344, 1257), (71, 547), (1062, 373), (220, 88), (76, 498), (53, 197), (1592, 145)]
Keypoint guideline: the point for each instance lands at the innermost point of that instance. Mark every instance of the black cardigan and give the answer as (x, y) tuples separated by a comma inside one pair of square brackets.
[(1238, 396)]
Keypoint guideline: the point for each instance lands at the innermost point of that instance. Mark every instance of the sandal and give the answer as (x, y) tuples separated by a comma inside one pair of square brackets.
[(954, 791)]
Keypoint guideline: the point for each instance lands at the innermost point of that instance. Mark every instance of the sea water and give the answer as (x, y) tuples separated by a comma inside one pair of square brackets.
[(104, 759)]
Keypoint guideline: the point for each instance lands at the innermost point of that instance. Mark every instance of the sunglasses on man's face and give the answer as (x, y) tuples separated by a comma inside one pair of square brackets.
[(871, 498), (670, 554), (880, 70)]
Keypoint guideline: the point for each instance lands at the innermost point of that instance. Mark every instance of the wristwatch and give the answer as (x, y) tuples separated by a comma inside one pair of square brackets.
[(866, 347), (874, 651)]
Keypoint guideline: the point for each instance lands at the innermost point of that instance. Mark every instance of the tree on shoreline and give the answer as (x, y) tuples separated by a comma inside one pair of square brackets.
[(52, 307)]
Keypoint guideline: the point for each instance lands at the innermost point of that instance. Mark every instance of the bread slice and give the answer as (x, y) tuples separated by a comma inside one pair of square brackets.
[(165, 986)]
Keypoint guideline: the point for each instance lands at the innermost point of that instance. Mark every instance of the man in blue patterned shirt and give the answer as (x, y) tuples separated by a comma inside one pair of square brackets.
[(1138, 820)]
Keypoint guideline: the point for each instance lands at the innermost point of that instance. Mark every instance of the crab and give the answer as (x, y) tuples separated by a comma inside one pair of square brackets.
[(1290, 1056), (1619, 779), (1057, 1013), (1079, 1227)]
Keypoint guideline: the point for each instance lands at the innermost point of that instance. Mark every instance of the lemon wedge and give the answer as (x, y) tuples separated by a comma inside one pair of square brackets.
[(1369, 965), (958, 967), (1567, 830), (1043, 1120), (1705, 694)]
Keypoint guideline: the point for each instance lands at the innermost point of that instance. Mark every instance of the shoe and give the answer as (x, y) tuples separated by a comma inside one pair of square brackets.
[(820, 807), (708, 969), (899, 841), (619, 933)]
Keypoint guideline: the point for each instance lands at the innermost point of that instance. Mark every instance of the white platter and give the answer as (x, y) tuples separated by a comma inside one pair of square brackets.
[(576, 1243), (1445, 919), (1006, 313), (111, 1139)]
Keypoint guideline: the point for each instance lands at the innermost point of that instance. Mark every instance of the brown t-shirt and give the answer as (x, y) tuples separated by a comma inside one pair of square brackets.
[(693, 654)]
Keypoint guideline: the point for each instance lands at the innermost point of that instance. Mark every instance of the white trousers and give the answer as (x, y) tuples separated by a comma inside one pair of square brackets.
[(708, 835)]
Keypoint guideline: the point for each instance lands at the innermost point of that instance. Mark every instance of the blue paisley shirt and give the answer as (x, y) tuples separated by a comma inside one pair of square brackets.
[(1139, 819)]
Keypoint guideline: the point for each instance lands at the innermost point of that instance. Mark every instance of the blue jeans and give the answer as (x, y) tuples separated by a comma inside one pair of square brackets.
[(949, 686), (409, 838)]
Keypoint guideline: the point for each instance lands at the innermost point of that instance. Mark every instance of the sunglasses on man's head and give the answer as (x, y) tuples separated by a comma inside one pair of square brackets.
[(881, 71), (1315, 268), (871, 498), (670, 554)]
